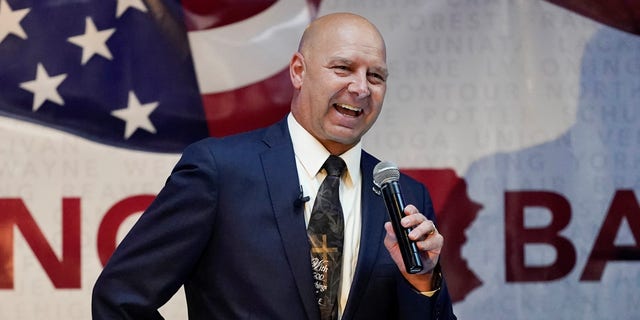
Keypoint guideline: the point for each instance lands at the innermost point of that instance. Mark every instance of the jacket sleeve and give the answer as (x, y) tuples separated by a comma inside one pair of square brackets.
[(156, 256), (412, 304)]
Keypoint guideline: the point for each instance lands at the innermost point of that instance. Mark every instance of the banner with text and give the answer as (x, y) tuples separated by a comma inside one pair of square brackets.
[(521, 117)]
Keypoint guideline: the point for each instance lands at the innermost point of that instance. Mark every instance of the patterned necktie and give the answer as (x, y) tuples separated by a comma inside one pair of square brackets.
[(326, 232)]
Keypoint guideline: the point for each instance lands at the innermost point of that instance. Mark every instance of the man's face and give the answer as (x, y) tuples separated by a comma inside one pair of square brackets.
[(341, 83)]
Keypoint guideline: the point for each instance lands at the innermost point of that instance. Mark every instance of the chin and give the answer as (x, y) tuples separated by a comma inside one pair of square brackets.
[(346, 141)]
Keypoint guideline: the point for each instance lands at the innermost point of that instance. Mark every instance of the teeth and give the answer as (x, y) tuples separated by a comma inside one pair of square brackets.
[(348, 107)]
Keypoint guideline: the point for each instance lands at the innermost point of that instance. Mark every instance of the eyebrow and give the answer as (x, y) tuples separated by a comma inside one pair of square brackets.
[(381, 70)]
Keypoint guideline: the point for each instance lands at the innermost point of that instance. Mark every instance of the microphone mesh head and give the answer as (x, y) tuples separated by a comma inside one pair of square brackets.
[(385, 172)]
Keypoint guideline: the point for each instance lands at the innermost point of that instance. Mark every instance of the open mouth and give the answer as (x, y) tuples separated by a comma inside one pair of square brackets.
[(347, 109)]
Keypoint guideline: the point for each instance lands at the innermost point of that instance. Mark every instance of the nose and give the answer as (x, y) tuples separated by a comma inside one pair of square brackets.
[(359, 85)]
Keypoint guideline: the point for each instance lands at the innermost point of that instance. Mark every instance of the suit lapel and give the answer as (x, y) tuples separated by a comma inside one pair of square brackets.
[(372, 235), (282, 180)]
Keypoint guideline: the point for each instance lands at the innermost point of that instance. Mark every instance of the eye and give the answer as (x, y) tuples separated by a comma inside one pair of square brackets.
[(377, 78), (340, 68)]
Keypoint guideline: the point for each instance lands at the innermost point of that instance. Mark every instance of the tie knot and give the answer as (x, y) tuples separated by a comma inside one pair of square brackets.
[(334, 166)]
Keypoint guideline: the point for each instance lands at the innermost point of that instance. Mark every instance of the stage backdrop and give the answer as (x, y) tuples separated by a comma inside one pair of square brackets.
[(521, 117)]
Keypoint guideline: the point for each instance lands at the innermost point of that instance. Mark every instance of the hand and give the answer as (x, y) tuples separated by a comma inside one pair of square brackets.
[(428, 240)]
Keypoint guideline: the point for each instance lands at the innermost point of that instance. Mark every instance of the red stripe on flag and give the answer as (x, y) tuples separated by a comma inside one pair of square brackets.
[(209, 14), (253, 106), (250, 107)]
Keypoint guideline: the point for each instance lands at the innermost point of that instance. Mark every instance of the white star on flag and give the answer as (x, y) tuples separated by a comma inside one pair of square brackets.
[(44, 87), (93, 41), (10, 21), (123, 5), (136, 115)]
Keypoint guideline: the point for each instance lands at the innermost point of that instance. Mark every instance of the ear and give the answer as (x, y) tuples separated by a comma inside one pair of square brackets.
[(297, 69)]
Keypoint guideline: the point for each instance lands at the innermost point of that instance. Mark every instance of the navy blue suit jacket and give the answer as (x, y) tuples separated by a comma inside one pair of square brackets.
[(227, 228)]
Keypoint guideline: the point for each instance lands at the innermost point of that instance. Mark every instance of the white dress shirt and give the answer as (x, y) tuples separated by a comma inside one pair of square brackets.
[(310, 156)]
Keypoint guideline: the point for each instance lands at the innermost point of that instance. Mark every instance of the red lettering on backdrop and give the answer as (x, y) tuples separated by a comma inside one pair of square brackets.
[(108, 231), (623, 205), (451, 202), (517, 235), (64, 273)]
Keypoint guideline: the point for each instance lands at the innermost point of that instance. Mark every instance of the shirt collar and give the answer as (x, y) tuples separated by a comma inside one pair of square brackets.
[(312, 154)]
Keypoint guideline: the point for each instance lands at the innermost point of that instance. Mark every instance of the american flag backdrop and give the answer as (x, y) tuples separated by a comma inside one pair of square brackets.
[(122, 72)]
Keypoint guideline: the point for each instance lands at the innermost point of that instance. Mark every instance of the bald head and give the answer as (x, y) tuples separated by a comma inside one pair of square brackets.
[(325, 28)]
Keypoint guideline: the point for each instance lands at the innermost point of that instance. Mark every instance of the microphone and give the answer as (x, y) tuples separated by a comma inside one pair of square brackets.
[(299, 202), (385, 177)]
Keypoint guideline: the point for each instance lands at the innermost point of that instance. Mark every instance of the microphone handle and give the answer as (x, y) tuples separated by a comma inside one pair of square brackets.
[(395, 207)]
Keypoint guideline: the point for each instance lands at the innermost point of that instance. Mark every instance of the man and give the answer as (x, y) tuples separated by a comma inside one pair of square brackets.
[(231, 222)]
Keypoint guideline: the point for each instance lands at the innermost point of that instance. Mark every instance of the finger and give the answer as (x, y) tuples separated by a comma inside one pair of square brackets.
[(432, 229), (389, 227), (432, 244), (390, 239), (410, 209), (423, 230), (413, 219)]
